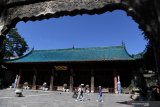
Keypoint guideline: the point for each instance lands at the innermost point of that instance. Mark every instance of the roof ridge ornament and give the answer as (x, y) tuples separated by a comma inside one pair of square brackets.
[(73, 47), (123, 44)]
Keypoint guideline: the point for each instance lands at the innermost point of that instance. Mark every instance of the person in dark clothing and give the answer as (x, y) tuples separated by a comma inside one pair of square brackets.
[(100, 98)]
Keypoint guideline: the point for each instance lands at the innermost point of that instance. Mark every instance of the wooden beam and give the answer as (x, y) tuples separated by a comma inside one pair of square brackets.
[(115, 81), (34, 79), (51, 80), (71, 82), (92, 80)]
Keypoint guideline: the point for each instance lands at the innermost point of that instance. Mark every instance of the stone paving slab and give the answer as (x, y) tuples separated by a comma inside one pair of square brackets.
[(34, 98)]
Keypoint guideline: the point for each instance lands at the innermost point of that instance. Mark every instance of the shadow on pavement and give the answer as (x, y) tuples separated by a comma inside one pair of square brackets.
[(126, 102)]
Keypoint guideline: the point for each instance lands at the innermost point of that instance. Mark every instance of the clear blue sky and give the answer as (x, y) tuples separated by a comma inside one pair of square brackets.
[(108, 29)]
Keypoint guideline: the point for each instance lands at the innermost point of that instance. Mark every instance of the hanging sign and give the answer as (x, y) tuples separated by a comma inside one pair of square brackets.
[(61, 68)]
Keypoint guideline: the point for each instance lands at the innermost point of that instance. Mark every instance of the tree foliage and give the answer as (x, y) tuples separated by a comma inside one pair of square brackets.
[(14, 45)]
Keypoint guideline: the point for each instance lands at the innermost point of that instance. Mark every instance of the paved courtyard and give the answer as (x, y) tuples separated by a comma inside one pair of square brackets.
[(33, 98)]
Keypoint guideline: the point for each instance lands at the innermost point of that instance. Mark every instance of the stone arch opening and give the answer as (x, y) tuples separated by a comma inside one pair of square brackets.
[(140, 10), (80, 71)]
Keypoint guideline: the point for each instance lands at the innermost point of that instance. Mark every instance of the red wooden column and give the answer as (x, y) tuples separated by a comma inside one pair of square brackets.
[(34, 79), (71, 81), (115, 81), (51, 80), (92, 80), (18, 79)]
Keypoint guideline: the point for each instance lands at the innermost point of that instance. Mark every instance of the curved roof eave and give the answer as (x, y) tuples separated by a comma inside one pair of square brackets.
[(112, 53)]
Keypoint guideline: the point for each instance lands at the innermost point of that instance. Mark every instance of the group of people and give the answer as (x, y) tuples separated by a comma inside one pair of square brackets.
[(78, 94)]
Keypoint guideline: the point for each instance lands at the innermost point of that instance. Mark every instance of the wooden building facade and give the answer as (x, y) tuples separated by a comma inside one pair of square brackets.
[(74, 66)]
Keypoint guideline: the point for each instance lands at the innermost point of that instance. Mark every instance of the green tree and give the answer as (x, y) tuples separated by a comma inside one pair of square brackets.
[(14, 45)]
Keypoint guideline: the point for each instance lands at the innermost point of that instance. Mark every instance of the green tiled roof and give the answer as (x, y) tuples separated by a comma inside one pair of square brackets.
[(76, 54)]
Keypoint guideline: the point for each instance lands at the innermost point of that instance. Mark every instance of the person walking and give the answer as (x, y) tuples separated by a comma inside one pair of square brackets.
[(80, 94), (75, 93), (100, 98), (82, 91), (87, 92)]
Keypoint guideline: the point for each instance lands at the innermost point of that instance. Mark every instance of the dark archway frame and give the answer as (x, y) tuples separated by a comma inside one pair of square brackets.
[(144, 12)]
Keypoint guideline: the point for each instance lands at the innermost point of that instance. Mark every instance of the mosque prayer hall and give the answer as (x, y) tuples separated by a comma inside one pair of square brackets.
[(94, 66)]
